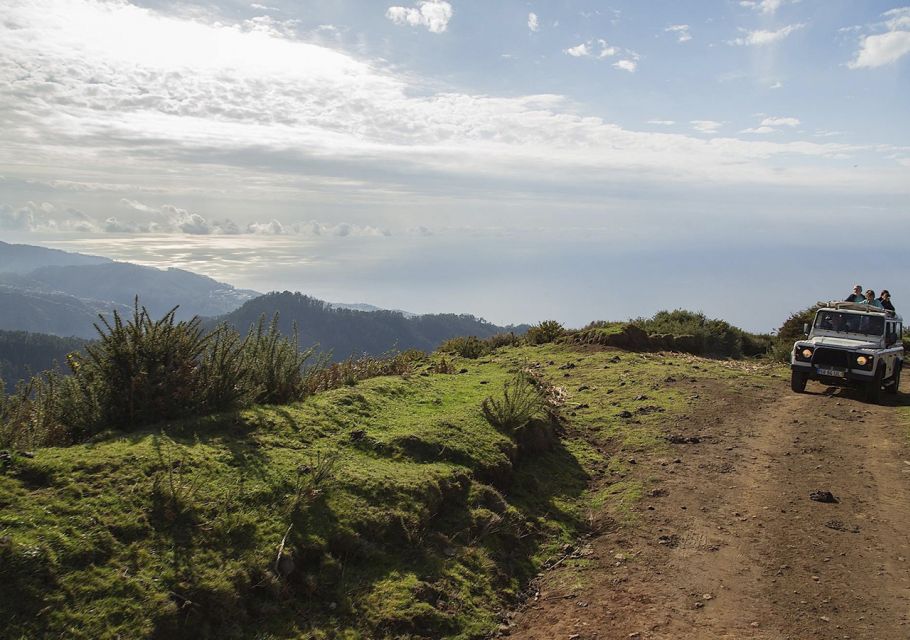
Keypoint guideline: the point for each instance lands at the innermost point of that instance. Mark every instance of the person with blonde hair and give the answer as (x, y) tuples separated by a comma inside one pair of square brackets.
[(871, 300)]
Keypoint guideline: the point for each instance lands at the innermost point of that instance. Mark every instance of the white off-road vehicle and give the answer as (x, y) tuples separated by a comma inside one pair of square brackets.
[(850, 344)]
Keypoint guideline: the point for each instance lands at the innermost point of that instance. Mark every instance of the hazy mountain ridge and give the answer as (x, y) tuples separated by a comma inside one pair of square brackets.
[(347, 332), (23, 258), (60, 293)]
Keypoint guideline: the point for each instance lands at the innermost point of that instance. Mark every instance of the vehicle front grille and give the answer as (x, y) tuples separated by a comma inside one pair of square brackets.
[(831, 357)]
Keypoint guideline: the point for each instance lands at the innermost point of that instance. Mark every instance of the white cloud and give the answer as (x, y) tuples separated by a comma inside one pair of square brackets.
[(626, 65), (885, 48), (761, 129), (92, 98), (578, 51), (777, 85), (681, 31), (665, 123), (533, 22), (780, 122), (432, 14), (44, 217), (706, 126), (766, 7), (762, 37), (596, 49)]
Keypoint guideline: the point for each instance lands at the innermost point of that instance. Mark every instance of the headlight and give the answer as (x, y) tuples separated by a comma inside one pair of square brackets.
[(862, 360), (807, 353)]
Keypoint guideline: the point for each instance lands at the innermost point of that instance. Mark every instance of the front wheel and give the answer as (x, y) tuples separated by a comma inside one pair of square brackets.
[(798, 381), (895, 382), (874, 386)]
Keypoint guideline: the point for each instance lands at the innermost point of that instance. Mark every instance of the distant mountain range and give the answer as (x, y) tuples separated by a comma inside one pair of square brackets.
[(351, 332), (46, 291), (49, 291)]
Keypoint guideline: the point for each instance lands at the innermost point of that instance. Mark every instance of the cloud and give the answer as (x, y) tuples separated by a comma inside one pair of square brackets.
[(432, 14), (780, 122), (44, 217), (762, 37), (681, 30), (885, 48), (92, 98), (762, 129), (706, 126), (777, 85), (666, 123), (626, 65), (766, 7), (595, 49), (533, 22), (578, 51)]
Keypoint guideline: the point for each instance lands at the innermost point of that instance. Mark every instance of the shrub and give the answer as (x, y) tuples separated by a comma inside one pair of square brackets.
[(521, 400), (467, 347), (276, 365), (351, 371), (142, 371), (503, 340), (709, 337), (546, 331)]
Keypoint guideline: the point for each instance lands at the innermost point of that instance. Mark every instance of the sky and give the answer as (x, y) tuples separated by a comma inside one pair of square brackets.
[(519, 161)]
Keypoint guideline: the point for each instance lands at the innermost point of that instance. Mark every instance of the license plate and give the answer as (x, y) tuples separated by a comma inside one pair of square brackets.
[(834, 373)]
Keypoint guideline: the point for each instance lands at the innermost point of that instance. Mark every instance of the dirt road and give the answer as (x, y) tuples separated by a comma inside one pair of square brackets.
[(728, 544)]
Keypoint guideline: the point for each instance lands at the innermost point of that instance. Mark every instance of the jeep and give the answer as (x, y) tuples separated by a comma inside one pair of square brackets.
[(850, 344)]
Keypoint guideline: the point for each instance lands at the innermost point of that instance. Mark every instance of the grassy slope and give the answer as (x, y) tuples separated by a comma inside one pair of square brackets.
[(429, 525)]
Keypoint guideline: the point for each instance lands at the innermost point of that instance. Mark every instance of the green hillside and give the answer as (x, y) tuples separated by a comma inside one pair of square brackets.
[(388, 508)]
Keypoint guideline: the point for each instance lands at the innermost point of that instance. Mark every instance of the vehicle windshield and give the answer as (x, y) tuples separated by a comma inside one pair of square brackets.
[(850, 323)]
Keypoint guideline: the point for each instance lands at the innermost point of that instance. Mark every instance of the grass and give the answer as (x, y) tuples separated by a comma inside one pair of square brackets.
[(429, 523)]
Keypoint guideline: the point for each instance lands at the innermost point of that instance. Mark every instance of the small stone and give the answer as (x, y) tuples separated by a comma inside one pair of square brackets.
[(755, 624)]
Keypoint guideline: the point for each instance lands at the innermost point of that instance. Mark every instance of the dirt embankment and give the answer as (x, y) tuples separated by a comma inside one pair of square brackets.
[(735, 538)]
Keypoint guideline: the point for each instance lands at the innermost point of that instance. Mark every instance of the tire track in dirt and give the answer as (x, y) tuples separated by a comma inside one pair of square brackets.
[(730, 546)]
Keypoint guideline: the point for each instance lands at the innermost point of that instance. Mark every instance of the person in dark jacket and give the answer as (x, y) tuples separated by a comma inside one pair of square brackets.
[(857, 295), (885, 299)]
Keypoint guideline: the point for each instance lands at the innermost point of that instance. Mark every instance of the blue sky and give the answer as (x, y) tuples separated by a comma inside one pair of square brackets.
[(516, 160)]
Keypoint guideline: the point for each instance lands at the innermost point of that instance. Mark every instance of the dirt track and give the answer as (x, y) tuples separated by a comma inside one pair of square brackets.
[(730, 545)]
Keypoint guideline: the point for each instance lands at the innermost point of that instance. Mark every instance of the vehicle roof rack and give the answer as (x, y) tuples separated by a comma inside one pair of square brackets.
[(855, 306)]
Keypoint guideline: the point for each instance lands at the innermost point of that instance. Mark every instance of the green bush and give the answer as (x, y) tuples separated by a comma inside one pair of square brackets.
[(503, 340), (710, 337), (546, 331), (520, 401), (467, 347), (143, 371)]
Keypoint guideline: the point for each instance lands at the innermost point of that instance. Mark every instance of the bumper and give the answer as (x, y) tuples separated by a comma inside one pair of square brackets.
[(850, 375)]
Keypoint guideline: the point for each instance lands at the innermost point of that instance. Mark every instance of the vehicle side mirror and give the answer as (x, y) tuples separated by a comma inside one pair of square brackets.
[(806, 328)]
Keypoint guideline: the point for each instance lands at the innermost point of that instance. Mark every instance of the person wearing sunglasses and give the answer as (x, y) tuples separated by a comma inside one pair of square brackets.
[(885, 300)]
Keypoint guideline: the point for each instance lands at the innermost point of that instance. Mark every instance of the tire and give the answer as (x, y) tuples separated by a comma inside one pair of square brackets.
[(798, 381), (874, 387), (894, 384)]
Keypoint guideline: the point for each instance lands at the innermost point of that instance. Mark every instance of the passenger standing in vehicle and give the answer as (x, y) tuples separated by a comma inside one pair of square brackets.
[(856, 296), (871, 300), (885, 300)]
